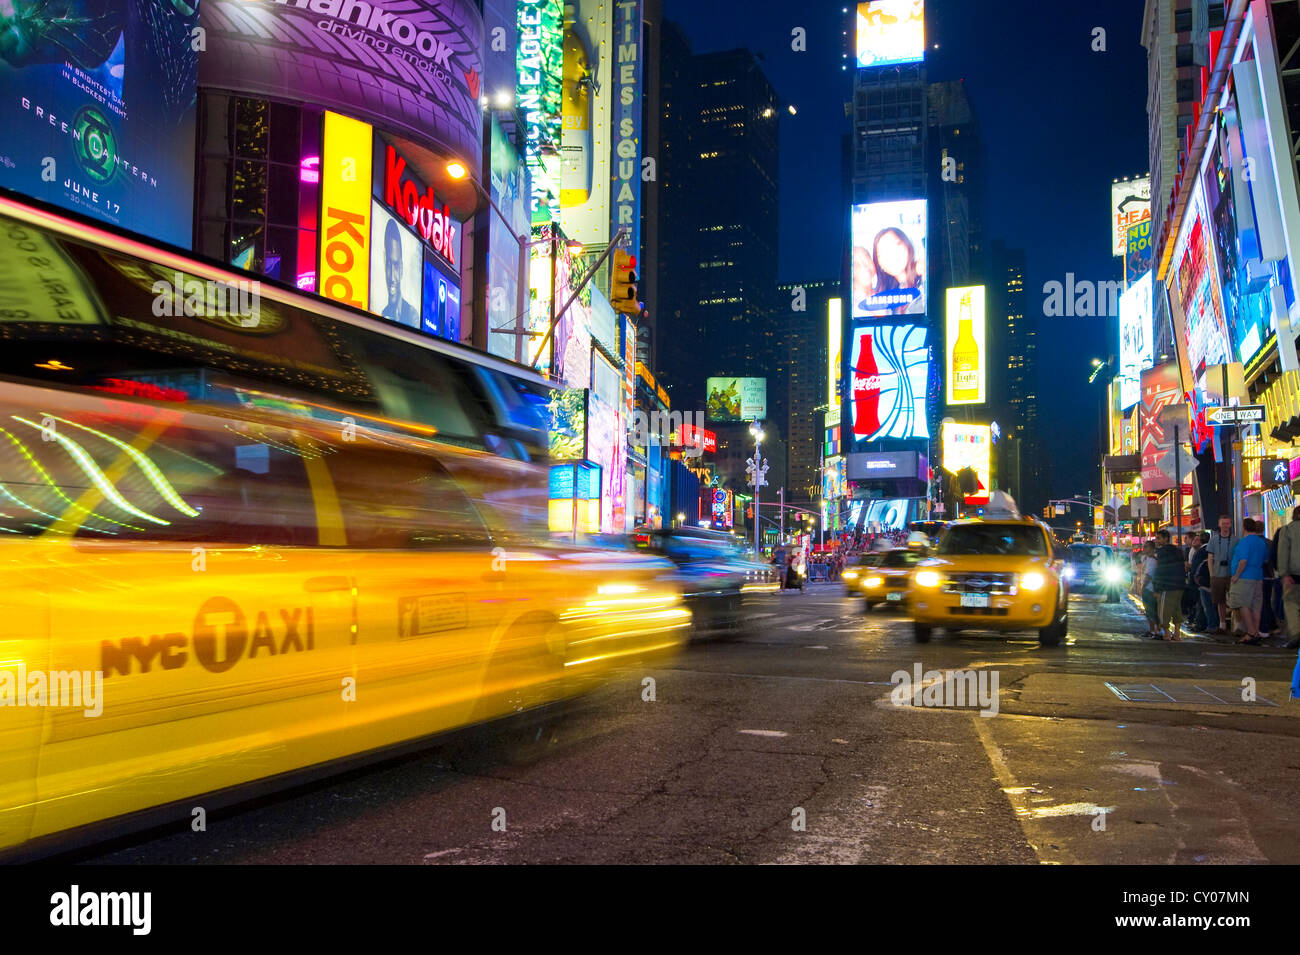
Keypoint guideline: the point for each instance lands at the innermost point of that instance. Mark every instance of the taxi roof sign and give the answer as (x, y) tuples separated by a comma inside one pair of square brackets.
[(1001, 505)]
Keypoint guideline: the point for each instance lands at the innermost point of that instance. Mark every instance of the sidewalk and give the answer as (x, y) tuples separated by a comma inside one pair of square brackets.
[(1224, 639)]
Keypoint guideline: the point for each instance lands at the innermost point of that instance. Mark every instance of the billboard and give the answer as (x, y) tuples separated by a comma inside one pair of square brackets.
[(889, 263), (890, 515), (1130, 203), (890, 32), (1234, 189), (1136, 339), (889, 465), (969, 446), (1137, 252), (967, 354), (605, 443), (625, 187), (1161, 391), (834, 359), (440, 314), (409, 66), (97, 102), (344, 264), (396, 269), (737, 399), (888, 369), (1195, 281), (538, 97), (585, 138), (509, 193), (568, 424)]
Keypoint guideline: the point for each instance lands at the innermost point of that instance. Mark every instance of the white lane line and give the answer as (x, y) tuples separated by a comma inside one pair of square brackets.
[(1015, 794), (764, 733)]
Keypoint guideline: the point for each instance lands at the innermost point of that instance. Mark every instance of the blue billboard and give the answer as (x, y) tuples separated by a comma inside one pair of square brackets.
[(97, 100)]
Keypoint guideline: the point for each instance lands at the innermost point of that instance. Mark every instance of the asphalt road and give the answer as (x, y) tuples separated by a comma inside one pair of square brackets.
[(784, 745)]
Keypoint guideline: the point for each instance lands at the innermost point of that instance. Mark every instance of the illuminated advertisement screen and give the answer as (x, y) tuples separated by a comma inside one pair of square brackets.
[(967, 355), (890, 32), (605, 443), (97, 105), (737, 399), (890, 515), (889, 263), (540, 62), (969, 446), (1196, 283), (396, 269), (509, 193), (834, 359), (344, 263), (1247, 291), (1130, 203), (407, 65), (1137, 251), (440, 314), (888, 371), (1136, 344), (568, 424)]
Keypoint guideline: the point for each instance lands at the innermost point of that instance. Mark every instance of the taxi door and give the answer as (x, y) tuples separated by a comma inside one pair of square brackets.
[(223, 634)]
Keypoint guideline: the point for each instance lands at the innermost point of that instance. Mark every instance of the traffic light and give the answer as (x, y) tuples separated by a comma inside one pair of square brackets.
[(622, 284)]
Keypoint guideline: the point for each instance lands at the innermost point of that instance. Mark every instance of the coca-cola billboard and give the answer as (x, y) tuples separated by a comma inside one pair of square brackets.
[(888, 372)]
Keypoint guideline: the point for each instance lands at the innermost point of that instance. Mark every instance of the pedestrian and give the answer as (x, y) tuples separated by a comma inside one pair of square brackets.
[(1221, 548), (1246, 592), (1199, 577), (1201, 581), (1170, 581), (792, 576), (1288, 568), (1148, 575)]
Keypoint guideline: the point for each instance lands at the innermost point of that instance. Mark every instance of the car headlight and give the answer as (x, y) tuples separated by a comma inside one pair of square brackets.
[(874, 582), (927, 578), (1032, 581), (1068, 571), (1112, 574), (850, 575)]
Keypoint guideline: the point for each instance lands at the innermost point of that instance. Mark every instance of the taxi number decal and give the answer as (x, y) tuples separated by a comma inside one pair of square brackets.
[(431, 613), (221, 638)]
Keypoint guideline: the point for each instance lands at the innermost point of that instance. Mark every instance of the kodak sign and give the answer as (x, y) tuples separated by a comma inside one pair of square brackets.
[(421, 211), (344, 267)]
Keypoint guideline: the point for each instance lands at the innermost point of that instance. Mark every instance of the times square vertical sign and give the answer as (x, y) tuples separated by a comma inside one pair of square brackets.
[(540, 66), (629, 68)]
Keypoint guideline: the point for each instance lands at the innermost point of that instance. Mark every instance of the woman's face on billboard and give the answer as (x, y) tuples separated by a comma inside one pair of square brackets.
[(893, 255)]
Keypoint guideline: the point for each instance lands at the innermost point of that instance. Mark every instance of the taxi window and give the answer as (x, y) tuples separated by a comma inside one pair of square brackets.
[(394, 499), (97, 476), (900, 558), (993, 540)]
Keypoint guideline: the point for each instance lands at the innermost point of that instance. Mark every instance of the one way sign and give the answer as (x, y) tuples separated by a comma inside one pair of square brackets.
[(1242, 414)]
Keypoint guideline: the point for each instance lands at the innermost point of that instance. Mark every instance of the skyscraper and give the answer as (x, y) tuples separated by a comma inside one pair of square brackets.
[(807, 383), (718, 257), (1023, 468)]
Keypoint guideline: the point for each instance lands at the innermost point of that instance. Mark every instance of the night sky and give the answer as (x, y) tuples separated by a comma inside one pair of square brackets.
[(1058, 122)]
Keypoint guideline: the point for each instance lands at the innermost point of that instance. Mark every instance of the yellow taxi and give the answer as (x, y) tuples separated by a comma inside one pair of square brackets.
[(887, 580), (244, 554), (995, 572)]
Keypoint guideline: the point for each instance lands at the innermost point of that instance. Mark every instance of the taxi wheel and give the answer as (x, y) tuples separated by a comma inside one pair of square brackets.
[(1051, 636), (535, 707), (867, 605), (921, 632)]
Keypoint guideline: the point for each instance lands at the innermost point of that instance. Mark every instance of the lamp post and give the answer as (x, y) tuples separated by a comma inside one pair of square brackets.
[(757, 469)]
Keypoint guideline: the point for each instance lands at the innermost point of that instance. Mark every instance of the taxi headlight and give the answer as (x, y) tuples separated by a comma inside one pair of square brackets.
[(927, 578), (1112, 575), (850, 575), (1032, 581), (874, 582)]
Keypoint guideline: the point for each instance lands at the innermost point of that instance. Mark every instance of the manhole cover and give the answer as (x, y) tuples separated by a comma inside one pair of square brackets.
[(1211, 695)]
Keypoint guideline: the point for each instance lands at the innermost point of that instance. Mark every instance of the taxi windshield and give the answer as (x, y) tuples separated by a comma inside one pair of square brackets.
[(1088, 554), (993, 539)]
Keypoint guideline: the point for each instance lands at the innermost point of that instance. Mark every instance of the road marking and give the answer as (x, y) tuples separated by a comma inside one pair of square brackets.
[(1015, 794), (764, 733)]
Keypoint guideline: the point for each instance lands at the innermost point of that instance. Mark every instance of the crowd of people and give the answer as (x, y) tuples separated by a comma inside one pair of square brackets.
[(1225, 582)]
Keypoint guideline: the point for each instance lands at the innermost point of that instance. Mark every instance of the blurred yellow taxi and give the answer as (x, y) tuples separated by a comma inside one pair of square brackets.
[(235, 554), (888, 580), (992, 573)]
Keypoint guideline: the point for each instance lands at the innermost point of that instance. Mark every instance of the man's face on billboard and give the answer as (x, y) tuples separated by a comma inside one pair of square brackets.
[(393, 268)]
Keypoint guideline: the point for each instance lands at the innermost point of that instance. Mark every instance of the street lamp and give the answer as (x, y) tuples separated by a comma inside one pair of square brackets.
[(757, 470)]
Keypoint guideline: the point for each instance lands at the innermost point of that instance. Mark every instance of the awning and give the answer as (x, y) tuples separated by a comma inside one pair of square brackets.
[(1123, 468)]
